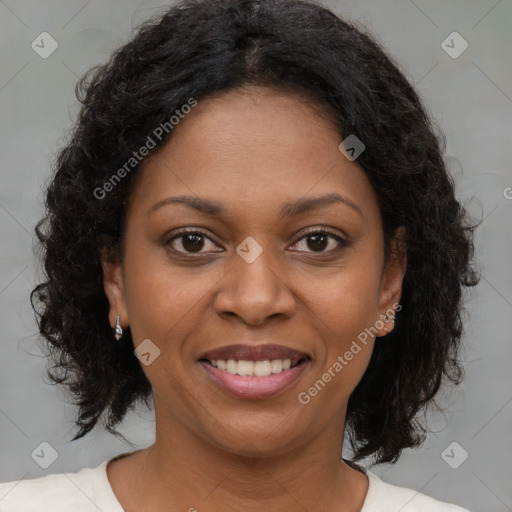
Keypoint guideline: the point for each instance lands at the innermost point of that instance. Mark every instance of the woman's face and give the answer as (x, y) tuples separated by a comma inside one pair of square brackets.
[(253, 276)]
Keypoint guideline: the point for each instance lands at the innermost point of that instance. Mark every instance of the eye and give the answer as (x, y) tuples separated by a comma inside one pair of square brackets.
[(189, 241), (318, 240)]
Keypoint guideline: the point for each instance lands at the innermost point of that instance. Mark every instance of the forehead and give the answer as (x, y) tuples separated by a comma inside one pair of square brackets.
[(253, 147)]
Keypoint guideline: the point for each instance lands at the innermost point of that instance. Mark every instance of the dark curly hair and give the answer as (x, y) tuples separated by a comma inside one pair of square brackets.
[(195, 49)]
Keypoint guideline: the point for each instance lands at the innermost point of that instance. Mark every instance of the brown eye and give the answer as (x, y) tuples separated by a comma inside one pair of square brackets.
[(189, 242), (318, 241), (192, 243)]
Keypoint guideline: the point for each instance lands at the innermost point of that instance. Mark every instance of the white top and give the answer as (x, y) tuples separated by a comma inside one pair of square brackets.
[(89, 490)]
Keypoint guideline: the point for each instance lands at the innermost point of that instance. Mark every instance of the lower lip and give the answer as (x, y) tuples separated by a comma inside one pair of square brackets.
[(255, 387)]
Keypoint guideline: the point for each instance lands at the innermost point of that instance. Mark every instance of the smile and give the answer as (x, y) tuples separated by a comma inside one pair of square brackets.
[(254, 379)]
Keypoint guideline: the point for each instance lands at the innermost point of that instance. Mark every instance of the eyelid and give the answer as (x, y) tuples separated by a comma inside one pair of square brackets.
[(188, 230), (324, 230)]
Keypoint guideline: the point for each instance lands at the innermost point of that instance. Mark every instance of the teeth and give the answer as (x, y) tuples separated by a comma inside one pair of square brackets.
[(261, 368), (253, 368), (232, 366), (245, 368), (276, 365)]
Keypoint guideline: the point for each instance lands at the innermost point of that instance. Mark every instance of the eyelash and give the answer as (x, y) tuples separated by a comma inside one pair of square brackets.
[(312, 231)]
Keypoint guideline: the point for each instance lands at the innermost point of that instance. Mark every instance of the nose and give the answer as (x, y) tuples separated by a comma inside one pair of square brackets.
[(255, 292)]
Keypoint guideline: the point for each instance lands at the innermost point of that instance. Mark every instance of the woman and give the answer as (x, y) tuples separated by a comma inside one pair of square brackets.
[(253, 226)]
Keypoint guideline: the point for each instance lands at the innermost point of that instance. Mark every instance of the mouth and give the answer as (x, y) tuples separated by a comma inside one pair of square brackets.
[(254, 372)]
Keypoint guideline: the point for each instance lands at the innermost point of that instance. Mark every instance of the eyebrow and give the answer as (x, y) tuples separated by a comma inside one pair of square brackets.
[(215, 209)]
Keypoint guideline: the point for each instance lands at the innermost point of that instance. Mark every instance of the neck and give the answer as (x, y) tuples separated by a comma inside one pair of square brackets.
[(183, 470)]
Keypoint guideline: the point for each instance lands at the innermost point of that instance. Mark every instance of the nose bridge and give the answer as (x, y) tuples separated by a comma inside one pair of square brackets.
[(254, 290)]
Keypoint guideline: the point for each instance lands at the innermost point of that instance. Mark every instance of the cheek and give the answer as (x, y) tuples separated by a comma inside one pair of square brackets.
[(162, 299), (344, 305), (346, 297), (344, 325)]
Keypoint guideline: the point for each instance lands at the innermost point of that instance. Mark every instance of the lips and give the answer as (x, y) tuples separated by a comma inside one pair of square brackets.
[(254, 353)]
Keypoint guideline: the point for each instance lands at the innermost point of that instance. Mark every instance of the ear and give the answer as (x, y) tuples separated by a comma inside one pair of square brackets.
[(391, 283), (114, 289)]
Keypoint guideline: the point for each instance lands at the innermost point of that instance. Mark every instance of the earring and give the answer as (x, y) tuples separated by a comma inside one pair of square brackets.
[(119, 329), (388, 318)]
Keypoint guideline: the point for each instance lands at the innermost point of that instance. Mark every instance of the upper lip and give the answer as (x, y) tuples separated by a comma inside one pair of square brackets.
[(254, 352)]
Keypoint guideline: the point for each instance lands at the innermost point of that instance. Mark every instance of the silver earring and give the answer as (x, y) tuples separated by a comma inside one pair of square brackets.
[(388, 318), (119, 329)]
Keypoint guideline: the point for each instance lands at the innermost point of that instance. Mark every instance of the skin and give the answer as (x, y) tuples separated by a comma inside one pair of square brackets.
[(251, 150)]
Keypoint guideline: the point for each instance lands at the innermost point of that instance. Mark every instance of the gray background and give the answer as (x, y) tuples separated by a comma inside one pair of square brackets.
[(471, 98)]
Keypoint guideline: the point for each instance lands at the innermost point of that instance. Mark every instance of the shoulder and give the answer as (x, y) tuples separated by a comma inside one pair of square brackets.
[(383, 497), (83, 491)]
